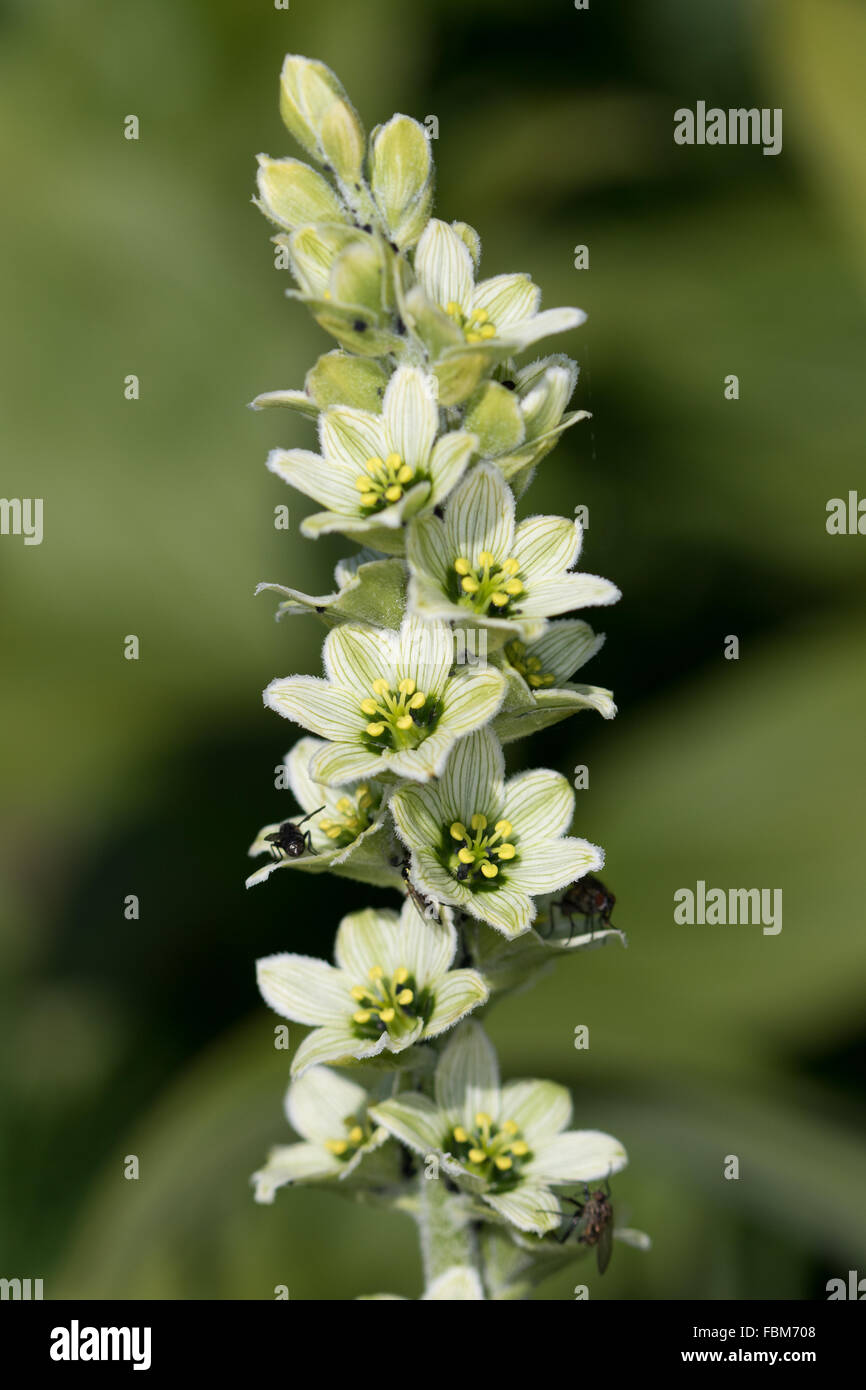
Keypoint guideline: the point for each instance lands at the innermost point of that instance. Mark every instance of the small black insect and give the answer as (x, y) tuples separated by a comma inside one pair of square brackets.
[(593, 1220), (359, 326), (425, 905), (587, 897), (367, 227), (290, 842), (510, 385)]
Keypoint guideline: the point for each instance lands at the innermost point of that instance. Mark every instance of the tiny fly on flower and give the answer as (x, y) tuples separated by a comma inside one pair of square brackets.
[(587, 897), (290, 842), (593, 1220), (425, 905)]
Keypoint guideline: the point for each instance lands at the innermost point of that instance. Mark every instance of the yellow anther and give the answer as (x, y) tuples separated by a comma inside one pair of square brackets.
[(405, 474), (465, 856), (503, 1163), (393, 461), (452, 307), (505, 851), (482, 1118), (374, 464), (460, 1134), (375, 972), (510, 566), (333, 832), (356, 1134), (477, 1155), (479, 822), (488, 331), (405, 721), (462, 566), (405, 996), (369, 499), (510, 1127), (503, 827), (486, 558), (458, 831), (401, 975), (406, 686), (469, 585), (358, 992), (499, 598), (520, 1148), (481, 316), (362, 1016), (374, 730), (362, 484), (417, 700), (489, 870), (336, 1146), (514, 587), (380, 686), (387, 1015), (344, 805), (369, 707), (394, 493), (473, 337)]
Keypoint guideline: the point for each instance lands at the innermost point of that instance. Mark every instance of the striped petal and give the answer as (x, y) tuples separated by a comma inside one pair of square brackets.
[(539, 804), (443, 265), (479, 516), (411, 416), (320, 706), (303, 988), (467, 1077)]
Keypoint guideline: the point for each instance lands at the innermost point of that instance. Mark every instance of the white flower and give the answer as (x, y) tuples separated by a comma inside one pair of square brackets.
[(539, 690), (330, 1113), (508, 1144), (489, 846), (375, 471), (500, 312), (390, 705), (476, 565), (392, 986), (349, 838)]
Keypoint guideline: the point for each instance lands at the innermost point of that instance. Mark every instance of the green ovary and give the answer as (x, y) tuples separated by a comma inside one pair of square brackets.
[(488, 584), (492, 1151)]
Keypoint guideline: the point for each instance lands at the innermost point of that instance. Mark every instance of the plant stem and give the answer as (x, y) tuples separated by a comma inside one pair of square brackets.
[(445, 1229)]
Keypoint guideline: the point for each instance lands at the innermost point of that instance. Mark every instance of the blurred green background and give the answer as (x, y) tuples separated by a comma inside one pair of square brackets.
[(151, 777)]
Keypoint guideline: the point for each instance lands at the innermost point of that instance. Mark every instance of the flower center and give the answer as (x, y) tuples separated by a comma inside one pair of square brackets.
[(383, 482), (398, 718), (358, 1132), (481, 851), (495, 1152), (489, 582), (529, 667), (354, 817), (475, 323), (387, 1003)]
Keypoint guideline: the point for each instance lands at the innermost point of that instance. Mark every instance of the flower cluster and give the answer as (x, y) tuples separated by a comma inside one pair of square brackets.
[(446, 639)]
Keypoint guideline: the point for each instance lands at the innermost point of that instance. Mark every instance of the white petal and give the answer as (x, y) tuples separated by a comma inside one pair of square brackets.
[(333, 485), (521, 335), (480, 516), (539, 804), (366, 939), (578, 1155), (412, 1118), (411, 416), (544, 866), (350, 436), (473, 779), (293, 1163), (448, 462), (508, 299), (530, 1207), (457, 994), (552, 596), (467, 1077), (546, 546), (319, 1103), (424, 654), (540, 1108), (428, 946), (355, 656), (443, 265), (325, 709), (303, 988)]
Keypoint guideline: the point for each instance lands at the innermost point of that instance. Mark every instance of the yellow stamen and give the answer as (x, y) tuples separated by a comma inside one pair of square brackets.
[(362, 1016), (460, 1135), (489, 870), (375, 972), (478, 821), (356, 1134), (387, 1015), (406, 686), (336, 1146), (458, 831), (462, 566), (401, 975), (374, 730), (503, 1163), (477, 1155), (503, 827), (505, 851)]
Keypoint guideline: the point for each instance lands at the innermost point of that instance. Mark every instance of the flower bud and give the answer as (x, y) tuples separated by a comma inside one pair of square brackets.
[(401, 178), (292, 194), (318, 113)]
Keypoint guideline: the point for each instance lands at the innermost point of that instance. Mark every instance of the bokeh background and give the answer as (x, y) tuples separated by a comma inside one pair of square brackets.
[(151, 777)]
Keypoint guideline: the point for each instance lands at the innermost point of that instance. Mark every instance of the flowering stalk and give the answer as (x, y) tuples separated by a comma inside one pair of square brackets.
[(445, 641)]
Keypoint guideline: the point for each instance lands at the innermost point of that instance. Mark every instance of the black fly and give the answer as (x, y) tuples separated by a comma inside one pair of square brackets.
[(593, 1220)]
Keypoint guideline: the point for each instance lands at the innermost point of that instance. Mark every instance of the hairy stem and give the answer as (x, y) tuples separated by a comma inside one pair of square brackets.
[(445, 1229)]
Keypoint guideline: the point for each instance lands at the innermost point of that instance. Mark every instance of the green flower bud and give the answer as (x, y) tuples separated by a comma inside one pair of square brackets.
[(401, 178), (318, 113), (338, 379), (494, 415), (292, 194)]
